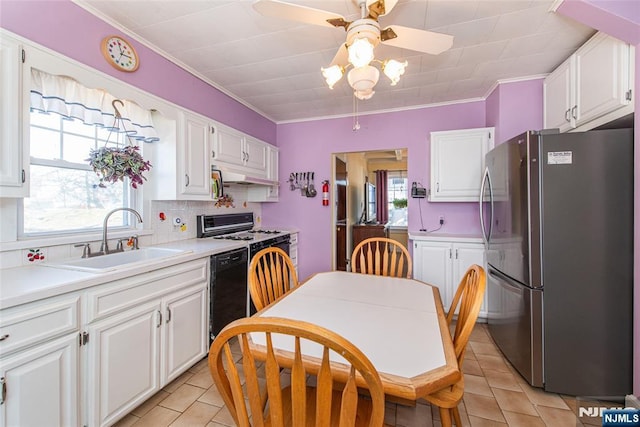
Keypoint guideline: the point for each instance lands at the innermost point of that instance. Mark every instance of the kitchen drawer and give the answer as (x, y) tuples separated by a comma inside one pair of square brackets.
[(34, 323), (133, 291)]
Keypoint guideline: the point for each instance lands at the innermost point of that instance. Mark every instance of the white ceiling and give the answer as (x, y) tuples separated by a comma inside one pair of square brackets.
[(273, 65)]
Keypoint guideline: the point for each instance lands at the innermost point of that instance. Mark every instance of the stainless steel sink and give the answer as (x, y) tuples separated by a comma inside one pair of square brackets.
[(115, 261)]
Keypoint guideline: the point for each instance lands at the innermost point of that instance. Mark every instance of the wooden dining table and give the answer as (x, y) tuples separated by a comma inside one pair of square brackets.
[(399, 324)]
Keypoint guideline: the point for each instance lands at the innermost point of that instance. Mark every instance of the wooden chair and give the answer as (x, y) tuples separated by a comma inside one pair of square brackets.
[(297, 405), (468, 300), (271, 275), (381, 256)]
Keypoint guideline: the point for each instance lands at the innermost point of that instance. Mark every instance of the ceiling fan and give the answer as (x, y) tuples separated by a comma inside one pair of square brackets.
[(363, 35)]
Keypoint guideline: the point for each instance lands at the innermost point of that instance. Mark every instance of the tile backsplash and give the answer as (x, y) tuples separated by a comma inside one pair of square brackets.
[(159, 227)]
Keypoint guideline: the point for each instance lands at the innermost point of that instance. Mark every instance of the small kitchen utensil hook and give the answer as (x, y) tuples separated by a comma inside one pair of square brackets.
[(113, 104)]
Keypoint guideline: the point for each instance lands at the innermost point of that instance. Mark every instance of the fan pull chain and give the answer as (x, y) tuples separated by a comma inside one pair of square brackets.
[(356, 123)]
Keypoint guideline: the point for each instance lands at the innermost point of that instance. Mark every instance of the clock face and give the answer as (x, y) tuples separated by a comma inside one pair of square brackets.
[(120, 54)]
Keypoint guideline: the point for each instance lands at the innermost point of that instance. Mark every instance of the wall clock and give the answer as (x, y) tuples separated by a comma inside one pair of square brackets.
[(120, 54)]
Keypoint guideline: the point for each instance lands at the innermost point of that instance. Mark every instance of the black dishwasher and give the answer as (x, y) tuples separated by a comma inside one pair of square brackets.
[(228, 292)]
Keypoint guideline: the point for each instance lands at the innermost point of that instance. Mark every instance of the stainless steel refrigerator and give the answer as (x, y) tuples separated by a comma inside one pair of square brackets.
[(557, 215)]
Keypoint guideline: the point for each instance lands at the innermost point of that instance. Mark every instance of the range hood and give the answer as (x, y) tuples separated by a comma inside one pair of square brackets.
[(229, 177)]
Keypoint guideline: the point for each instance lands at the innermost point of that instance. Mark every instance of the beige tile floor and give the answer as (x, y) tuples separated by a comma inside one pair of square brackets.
[(495, 395)]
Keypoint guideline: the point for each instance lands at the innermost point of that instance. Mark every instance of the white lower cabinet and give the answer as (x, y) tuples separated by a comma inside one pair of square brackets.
[(123, 363), (143, 332), (40, 385), (90, 357), (40, 363), (442, 261), (186, 322)]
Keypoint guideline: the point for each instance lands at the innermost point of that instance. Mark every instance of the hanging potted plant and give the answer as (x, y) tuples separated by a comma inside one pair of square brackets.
[(114, 164)]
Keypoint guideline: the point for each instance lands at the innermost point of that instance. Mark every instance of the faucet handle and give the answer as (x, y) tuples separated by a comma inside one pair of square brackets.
[(86, 249), (135, 241)]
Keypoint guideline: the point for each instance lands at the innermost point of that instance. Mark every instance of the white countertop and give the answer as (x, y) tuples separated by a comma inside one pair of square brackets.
[(21, 285)]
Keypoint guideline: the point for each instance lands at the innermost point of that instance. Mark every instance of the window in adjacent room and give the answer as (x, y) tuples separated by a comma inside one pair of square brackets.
[(397, 190)]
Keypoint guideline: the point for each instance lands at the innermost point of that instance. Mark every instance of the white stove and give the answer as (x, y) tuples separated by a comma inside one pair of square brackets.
[(250, 235), (239, 227)]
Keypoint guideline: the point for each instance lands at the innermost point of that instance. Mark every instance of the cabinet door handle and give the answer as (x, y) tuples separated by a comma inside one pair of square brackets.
[(24, 176), (4, 337), (186, 177), (437, 187), (567, 117), (456, 254), (213, 154), (4, 390), (574, 112), (168, 315), (159, 319)]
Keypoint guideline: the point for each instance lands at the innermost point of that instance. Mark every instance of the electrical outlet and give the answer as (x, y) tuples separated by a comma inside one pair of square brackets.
[(441, 219)]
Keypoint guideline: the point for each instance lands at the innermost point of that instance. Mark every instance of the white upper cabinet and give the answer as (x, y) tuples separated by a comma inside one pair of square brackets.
[(241, 153), (197, 175), (14, 119), (457, 164), (181, 159), (595, 82)]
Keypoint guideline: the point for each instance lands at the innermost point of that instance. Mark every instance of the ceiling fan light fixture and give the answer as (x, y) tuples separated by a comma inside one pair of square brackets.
[(360, 52), (363, 79), (394, 69), (364, 94), (332, 74)]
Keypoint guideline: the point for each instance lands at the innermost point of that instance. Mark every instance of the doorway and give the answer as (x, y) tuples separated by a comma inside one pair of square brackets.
[(353, 174)]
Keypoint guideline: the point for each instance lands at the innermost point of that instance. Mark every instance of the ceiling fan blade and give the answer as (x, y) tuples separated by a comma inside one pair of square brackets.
[(294, 12), (414, 39), (380, 7), (342, 56)]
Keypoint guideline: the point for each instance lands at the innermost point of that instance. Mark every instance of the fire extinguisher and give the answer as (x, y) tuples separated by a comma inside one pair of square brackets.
[(325, 193)]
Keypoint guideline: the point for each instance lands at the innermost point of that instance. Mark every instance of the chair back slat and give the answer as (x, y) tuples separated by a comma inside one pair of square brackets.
[(381, 256), (298, 388), (325, 390), (466, 302), (274, 389), (299, 404), (349, 401), (236, 388), (251, 381), (271, 275)]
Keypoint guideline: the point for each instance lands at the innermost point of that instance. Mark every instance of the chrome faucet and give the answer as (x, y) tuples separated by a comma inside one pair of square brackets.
[(104, 247)]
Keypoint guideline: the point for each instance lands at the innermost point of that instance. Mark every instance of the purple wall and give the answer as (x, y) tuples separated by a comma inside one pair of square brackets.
[(620, 19), (67, 28), (309, 146), (513, 108)]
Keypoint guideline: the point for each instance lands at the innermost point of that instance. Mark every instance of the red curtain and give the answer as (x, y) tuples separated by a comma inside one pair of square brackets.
[(382, 207)]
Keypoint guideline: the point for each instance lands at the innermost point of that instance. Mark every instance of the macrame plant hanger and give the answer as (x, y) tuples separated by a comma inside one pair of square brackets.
[(117, 122), (119, 162)]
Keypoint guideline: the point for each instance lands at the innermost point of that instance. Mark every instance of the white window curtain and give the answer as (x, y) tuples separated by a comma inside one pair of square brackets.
[(65, 96)]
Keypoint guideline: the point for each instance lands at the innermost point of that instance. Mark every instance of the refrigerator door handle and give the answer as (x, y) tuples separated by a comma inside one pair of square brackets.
[(508, 281), (486, 179)]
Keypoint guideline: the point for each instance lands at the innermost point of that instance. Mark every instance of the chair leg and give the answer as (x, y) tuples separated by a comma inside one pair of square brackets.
[(445, 417), (456, 416)]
